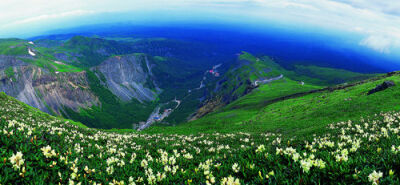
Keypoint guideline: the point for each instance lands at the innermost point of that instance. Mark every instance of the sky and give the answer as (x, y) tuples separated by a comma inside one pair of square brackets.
[(376, 22)]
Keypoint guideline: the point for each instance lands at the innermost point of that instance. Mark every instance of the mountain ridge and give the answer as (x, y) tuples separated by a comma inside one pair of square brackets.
[(108, 75)]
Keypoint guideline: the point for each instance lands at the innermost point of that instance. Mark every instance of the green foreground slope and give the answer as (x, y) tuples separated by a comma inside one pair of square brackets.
[(36, 148)]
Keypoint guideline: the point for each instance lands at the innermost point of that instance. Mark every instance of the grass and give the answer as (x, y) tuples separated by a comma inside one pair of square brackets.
[(275, 89), (10, 72), (245, 108), (36, 148), (301, 115), (238, 81), (13, 47), (327, 76), (297, 116), (49, 64), (250, 113), (310, 74), (44, 58)]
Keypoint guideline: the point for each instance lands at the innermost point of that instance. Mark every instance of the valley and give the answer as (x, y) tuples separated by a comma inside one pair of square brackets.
[(122, 80), (98, 81)]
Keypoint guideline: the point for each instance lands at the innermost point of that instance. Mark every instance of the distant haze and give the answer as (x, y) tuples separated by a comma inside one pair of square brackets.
[(370, 24)]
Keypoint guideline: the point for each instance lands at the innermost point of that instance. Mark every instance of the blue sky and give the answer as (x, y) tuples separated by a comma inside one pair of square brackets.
[(376, 22)]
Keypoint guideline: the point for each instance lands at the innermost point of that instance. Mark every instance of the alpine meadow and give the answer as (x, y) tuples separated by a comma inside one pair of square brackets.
[(197, 92)]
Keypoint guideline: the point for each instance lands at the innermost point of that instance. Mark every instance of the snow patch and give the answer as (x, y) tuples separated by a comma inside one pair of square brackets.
[(58, 62), (31, 52)]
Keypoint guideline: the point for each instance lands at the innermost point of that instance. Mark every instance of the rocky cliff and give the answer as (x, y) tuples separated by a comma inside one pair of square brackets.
[(45, 90), (129, 77)]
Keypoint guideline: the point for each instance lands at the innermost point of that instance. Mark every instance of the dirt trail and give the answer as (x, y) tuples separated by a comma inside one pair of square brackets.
[(268, 80)]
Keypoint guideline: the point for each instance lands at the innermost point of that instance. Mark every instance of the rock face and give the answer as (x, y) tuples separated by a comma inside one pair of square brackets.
[(129, 77), (42, 89), (381, 87)]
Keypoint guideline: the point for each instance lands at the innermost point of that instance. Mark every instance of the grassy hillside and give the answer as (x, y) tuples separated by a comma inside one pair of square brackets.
[(239, 79), (48, 62), (250, 68), (36, 148), (308, 113), (326, 76), (310, 74), (13, 47), (43, 56), (250, 74)]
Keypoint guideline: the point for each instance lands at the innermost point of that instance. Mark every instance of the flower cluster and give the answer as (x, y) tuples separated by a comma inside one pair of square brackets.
[(17, 161), (48, 152)]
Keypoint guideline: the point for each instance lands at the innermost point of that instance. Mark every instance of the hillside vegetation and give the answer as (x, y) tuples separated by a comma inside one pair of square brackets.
[(41, 149), (250, 73), (267, 109)]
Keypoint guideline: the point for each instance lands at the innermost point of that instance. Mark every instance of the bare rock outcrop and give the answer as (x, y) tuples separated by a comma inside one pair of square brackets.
[(381, 87), (129, 77), (43, 89)]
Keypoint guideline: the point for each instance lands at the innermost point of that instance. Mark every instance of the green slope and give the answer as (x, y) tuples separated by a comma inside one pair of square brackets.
[(239, 84), (37, 148), (239, 79), (303, 114), (44, 56), (310, 74), (13, 47), (325, 76)]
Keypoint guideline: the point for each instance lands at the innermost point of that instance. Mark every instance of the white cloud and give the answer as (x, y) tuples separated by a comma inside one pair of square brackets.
[(385, 6), (377, 20), (46, 17), (379, 43)]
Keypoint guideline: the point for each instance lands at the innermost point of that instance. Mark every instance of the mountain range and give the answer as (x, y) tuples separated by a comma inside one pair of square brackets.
[(124, 82)]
